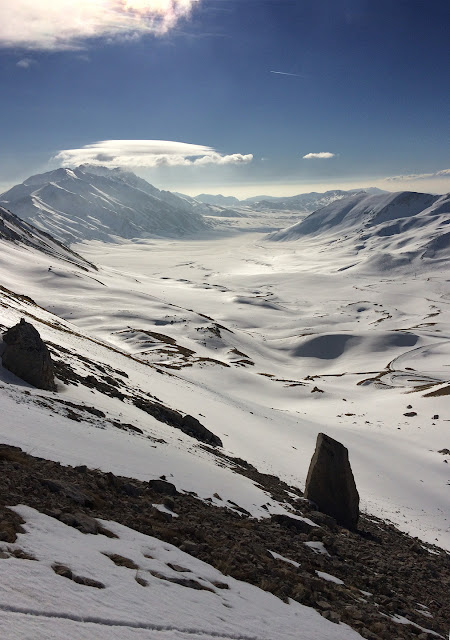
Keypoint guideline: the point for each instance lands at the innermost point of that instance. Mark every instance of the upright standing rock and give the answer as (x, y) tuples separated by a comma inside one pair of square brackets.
[(330, 482), (27, 356)]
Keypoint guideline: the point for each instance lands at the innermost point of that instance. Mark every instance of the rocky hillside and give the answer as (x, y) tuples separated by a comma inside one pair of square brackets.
[(378, 581)]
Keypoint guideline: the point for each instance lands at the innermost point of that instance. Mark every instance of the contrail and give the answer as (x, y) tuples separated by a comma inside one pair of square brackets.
[(284, 73)]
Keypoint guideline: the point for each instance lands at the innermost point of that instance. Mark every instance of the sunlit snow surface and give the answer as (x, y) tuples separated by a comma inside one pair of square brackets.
[(307, 343), (137, 603)]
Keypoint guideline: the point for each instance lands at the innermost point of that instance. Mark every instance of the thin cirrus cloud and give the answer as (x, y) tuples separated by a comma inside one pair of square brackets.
[(147, 153), (444, 173), (322, 155), (59, 25)]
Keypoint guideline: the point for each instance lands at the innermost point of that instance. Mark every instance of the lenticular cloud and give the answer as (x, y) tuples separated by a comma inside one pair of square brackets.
[(69, 24), (147, 153), (322, 155)]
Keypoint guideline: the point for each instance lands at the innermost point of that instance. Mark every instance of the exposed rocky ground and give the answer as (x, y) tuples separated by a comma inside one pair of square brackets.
[(372, 579)]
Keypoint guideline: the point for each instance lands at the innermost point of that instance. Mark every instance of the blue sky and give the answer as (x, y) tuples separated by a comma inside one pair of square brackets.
[(368, 87)]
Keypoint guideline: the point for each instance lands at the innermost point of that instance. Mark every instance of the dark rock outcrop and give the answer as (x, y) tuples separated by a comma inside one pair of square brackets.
[(330, 482), (164, 487), (187, 424), (27, 356), (295, 524)]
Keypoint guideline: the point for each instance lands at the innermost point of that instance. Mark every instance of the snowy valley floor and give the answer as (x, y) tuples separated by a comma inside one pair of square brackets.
[(376, 346), (266, 344)]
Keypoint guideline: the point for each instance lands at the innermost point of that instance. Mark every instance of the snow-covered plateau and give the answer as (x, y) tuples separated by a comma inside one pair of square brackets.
[(338, 324)]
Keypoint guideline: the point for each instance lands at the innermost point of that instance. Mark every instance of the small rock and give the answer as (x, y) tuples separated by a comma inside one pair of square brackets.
[(121, 561), (164, 487), (192, 548), (130, 489), (322, 518), (332, 616), (81, 521), (291, 523), (141, 581), (71, 491)]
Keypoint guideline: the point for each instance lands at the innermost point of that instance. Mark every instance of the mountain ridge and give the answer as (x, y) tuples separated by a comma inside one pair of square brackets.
[(96, 203), (16, 231), (301, 201), (404, 226)]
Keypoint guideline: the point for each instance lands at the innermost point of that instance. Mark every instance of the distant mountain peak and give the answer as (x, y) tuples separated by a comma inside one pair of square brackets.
[(94, 202)]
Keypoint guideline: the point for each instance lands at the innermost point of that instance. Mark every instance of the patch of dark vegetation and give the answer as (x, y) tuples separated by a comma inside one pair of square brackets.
[(402, 574)]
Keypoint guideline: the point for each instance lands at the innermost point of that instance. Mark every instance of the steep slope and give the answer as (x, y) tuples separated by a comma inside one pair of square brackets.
[(95, 203), (15, 231), (400, 227)]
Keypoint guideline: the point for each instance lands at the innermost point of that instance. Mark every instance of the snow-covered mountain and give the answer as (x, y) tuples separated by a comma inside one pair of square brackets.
[(219, 199), (395, 227), (18, 232), (96, 203), (303, 202), (263, 345)]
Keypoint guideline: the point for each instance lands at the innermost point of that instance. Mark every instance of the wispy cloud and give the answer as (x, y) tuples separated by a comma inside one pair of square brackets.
[(147, 153), (25, 63), (285, 73), (322, 155), (58, 25), (444, 173)]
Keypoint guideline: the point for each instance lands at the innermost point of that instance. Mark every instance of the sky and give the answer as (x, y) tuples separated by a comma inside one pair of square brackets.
[(240, 97)]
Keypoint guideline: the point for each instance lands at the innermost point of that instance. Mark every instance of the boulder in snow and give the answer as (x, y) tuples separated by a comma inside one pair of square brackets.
[(27, 356), (330, 482)]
